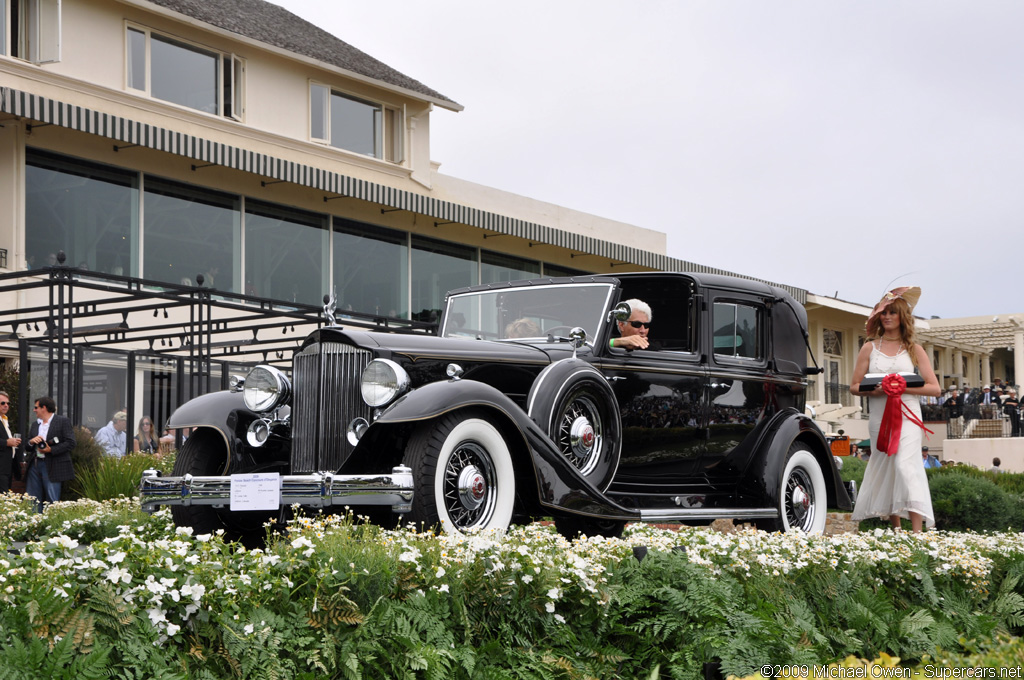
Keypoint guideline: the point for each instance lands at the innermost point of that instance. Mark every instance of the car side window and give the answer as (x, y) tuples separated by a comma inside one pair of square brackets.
[(737, 330), (671, 300)]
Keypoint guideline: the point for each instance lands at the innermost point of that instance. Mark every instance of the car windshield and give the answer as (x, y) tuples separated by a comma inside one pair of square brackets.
[(527, 312)]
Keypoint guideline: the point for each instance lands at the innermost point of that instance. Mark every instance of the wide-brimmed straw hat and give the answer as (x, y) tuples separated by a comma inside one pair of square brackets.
[(909, 294)]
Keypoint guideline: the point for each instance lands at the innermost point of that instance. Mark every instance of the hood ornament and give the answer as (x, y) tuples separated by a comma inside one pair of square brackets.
[(330, 305)]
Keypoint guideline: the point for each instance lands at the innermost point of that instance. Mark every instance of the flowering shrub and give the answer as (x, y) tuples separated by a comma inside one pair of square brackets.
[(102, 589)]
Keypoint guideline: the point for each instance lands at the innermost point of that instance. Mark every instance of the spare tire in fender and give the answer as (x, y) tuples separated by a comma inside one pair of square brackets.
[(575, 405)]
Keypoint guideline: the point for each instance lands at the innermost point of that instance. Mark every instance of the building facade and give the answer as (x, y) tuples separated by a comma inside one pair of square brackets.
[(188, 162)]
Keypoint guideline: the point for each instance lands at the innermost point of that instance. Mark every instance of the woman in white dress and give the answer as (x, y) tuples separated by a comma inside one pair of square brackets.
[(895, 484)]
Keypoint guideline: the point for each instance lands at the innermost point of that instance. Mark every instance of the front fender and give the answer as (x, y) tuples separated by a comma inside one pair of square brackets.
[(224, 412), (558, 483), (768, 466)]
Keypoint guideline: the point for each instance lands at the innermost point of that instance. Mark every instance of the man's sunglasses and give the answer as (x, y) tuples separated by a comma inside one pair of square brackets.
[(638, 324), (4, 403)]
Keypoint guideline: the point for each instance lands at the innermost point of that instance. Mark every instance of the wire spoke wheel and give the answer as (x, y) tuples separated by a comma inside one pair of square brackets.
[(802, 496), (469, 486), (800, 504), (464, 477), (581, 432)]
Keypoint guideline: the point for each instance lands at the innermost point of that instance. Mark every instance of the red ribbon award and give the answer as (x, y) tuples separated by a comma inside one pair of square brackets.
[(892, 417)]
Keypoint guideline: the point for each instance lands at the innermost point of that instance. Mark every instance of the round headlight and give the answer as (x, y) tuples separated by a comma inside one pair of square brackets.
[(265, 389), (383, 382)]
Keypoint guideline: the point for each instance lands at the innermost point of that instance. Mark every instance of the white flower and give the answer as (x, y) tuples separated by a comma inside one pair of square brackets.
[(443, 588), (116, 558), (527, 578), (440, 572), (302, 542), (64, 541), (554, 593), (248, 629), (173, 628), (157, 615), (559, 618), (118, 574), (550, 606)]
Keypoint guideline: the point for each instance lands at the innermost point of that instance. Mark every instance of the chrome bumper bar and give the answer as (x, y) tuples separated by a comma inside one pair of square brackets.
[(318, 489)]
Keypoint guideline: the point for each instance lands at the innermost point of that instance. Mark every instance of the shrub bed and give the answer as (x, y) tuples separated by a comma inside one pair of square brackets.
[(104, 590)]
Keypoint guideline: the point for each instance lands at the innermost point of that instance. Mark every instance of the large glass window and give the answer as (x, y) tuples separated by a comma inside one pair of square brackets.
[(191, 231), (104, 389), (371, 269), (495, 267), (438, 267), (156, 392), (89, 211), (354, 124), (183, 74), (555, 271), (285, 253)]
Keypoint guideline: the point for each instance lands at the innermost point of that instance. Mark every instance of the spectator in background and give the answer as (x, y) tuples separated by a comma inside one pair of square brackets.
[(929, 460), (10, 456), (995, 465), (48, 453), (987, 396), (113, 436), (1011, 407), (145, 438), (954, 404)]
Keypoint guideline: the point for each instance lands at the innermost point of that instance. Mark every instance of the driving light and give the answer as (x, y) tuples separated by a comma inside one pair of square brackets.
[(265, 389), (383, 382), (258, 433)]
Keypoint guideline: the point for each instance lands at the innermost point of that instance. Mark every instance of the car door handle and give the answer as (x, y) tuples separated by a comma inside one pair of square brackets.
[(715, 385), (615, 377)]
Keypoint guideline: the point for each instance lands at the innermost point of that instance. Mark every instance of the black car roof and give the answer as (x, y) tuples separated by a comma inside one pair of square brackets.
[(719, 281)]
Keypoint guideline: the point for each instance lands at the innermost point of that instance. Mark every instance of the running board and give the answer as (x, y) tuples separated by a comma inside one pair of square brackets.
[(690, 514)]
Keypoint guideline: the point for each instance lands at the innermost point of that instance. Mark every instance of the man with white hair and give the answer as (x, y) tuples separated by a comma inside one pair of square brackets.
[(112, 436), (633, 332)]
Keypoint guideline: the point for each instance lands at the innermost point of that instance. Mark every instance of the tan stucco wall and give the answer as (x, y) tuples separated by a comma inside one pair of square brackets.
[(980, 452)]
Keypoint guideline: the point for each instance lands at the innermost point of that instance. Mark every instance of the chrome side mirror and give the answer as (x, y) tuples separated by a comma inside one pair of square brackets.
[(620, 312), (578, 338)]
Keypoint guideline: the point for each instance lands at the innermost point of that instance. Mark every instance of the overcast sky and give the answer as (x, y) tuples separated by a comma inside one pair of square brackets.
[(829, 145)]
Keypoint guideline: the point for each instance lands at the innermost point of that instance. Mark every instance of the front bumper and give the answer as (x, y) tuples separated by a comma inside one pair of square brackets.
[(318, 489)]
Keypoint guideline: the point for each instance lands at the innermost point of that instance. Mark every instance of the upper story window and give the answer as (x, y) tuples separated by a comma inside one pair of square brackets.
[(355, 124), (30, 30), (737, 331), (183, 73)]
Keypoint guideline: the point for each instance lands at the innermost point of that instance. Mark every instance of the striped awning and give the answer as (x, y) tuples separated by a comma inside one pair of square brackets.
[(46, 110)]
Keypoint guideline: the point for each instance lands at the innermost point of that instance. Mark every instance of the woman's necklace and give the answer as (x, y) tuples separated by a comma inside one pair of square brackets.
[(891, 360)]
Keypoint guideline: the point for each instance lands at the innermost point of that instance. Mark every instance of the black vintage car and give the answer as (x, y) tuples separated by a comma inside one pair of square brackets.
[(474, 429)]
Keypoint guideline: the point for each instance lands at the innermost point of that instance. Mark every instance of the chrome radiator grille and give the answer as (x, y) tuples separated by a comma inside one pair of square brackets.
[(325, 384)]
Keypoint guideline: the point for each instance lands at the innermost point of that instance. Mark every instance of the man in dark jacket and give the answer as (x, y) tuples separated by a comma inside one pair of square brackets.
[(10, 458), (48, 453)]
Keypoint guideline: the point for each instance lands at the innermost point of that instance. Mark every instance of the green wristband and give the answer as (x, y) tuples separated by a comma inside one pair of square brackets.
[(611, 342)]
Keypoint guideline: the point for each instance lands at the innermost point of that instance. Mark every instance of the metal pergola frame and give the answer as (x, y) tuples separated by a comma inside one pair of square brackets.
[(88, 310)]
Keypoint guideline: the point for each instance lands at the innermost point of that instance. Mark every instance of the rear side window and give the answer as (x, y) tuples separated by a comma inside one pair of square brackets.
[(737, 330)]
